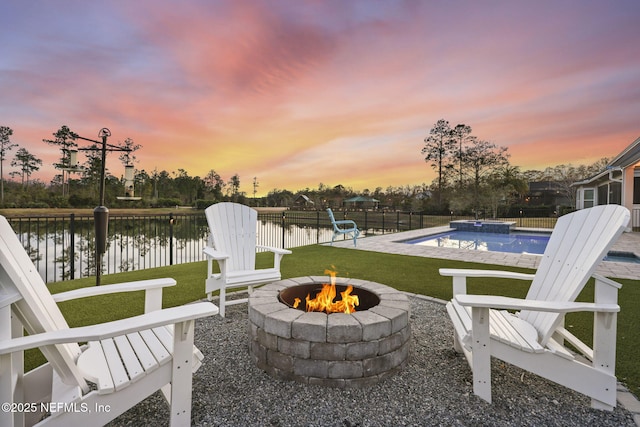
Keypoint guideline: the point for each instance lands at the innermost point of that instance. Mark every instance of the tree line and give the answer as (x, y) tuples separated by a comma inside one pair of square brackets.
[(472, 175)]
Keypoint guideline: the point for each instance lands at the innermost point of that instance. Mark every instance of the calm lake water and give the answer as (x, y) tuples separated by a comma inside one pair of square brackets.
[(140, 247)]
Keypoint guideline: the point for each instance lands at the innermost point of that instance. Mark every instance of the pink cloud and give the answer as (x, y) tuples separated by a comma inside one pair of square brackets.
[(271, 89)]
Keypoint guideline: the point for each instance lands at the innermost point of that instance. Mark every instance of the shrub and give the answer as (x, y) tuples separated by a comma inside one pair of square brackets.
[(166, 203), (37, 205), (204, 204)]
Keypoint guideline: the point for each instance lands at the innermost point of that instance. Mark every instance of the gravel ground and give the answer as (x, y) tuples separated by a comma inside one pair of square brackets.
[(433, 389)]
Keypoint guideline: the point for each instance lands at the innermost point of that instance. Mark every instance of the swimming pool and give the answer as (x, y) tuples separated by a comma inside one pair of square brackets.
[(515, 242), (519, 243)]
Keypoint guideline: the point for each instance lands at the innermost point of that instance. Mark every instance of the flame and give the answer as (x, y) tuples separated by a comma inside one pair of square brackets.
[(324, 300)]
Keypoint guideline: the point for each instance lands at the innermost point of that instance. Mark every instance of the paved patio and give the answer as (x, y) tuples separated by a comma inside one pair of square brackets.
[(392, 243)]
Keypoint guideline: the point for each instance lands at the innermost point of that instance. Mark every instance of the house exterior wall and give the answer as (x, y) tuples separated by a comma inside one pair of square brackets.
[(633, 198), (619, 183), (602, 191), (628, 178)]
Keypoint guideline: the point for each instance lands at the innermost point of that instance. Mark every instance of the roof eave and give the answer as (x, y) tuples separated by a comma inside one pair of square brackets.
[(628, 157)]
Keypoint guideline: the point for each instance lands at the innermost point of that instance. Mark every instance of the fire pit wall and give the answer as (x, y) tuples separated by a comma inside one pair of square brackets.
[(339, 350)]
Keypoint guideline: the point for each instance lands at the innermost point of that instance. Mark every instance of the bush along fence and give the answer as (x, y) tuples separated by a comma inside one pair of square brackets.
[(63, 247)]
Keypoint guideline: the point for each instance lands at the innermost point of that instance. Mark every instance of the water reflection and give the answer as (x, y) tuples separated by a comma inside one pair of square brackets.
[(135, 243)]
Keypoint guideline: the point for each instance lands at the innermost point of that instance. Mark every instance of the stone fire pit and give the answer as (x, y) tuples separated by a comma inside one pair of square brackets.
[(339, 350)]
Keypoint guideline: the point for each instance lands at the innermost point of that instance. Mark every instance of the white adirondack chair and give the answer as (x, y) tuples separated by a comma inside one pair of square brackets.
[(124, 361), (232, 244), (344, 226), (534, 338)]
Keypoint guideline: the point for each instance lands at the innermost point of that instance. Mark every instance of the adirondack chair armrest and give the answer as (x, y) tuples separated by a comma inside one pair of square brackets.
[(346, 221), (460, 276), (277, 251), (499, 274), (141, 285), (507, 303), (277, 254), (101, 331), (214, 254), (601, 280), (152, 287)]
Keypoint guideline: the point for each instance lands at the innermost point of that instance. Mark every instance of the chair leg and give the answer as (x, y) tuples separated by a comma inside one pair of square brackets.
[(481, 354), (457, 346), (7, 418), (604, 351), (223, 300), (181, 377)]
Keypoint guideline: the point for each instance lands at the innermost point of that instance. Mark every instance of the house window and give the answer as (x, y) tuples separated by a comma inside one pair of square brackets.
[(603, 194), (587, 201), (610, 194), (615, 193), (636, 190)]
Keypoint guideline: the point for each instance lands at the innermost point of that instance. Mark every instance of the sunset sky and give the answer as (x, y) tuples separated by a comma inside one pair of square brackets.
[(298, 93)]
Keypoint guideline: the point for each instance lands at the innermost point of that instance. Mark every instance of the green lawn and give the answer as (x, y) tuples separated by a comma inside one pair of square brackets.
[(407, 273)]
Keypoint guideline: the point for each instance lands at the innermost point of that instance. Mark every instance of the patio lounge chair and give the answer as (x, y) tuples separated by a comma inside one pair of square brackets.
[(124, 361), (232, 244), (534, 338), (345, 226)]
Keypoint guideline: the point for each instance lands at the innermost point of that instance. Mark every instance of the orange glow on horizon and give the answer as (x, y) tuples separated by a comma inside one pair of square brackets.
[(321, 92)]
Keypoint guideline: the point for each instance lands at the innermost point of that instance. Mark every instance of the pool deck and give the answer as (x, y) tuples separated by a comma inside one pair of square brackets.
[(391, 243)]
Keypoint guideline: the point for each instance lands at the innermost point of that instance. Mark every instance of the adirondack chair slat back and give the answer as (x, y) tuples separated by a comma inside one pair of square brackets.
[(332, 219), (36, 310), (579, 242), (233, 229)]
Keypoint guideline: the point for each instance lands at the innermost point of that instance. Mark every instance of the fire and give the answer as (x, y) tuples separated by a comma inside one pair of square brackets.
[(324, 300)]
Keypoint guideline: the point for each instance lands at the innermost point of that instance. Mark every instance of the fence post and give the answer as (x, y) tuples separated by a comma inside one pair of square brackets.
[(72, 245), (283, 218), (317, 226), (520, 219), (366, 221), (170, 239)]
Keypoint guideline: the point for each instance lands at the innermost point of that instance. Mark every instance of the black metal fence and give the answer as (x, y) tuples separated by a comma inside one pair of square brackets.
[(63, 247)]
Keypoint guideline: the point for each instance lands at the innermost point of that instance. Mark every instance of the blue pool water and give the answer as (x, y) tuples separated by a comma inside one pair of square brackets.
[(515, 242), (532, 243)]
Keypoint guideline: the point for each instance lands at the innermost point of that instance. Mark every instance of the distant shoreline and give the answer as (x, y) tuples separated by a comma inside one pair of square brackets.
[(58, 212)]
